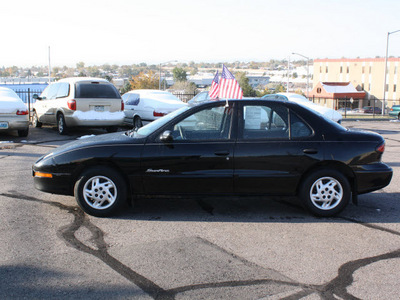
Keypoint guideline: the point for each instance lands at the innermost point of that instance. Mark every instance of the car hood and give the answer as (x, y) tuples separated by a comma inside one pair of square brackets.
[(117, 138)]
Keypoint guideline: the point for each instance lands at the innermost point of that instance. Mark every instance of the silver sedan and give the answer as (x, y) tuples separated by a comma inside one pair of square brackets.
[(14, 114)]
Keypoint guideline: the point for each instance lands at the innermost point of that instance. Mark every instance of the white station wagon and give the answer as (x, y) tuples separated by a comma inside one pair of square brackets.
[(145, 106), (79, 101)]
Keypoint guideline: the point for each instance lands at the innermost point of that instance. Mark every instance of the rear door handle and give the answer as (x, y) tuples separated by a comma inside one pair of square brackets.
[(310, 151)]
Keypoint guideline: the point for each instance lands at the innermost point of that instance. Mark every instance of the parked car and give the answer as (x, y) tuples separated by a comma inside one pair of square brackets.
[(371, 110), (79, 101), (395, 111), (144, 106), (344, 110), (248, 147), (325, 111), (199, 98), (14, 114)]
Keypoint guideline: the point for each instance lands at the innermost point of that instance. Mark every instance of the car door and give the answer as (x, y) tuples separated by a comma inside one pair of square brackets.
[(197, 157), (45, 107), (274, 148)]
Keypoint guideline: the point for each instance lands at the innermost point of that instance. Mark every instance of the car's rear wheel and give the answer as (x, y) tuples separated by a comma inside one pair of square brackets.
[(325, 192), (23, 132), (137, 122), (62, 127), (112, 129), (100, 191), (35, 120), (398, 117)]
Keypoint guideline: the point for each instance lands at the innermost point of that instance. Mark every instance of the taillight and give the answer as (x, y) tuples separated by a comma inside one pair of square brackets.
[(71, 104), (122, 105), (158, 114), (381, 148), (22, 112)]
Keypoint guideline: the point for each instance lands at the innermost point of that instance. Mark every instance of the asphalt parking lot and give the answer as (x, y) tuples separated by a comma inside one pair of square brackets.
[(205, 248)]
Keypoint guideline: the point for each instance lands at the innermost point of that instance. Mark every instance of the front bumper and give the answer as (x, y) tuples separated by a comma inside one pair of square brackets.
[(59, 183)]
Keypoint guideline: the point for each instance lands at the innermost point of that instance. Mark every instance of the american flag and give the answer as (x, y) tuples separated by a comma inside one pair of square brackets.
[(229, 88), (214, 91)]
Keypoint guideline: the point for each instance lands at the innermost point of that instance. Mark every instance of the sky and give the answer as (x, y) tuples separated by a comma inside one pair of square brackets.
[(125, 32)]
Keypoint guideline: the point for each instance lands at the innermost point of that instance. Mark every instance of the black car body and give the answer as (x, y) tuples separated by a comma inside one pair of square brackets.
[(240, 147)]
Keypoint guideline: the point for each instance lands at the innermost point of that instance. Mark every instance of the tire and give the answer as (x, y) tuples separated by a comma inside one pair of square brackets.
[(62, 127), (112, 129), (325, 192), (137, 122), (398, 117), (100, 191), (35, 120), (23, 132)]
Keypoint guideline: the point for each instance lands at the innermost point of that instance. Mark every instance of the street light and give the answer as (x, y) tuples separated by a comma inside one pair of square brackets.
[(385, 75), (159, 80), (308, 68)]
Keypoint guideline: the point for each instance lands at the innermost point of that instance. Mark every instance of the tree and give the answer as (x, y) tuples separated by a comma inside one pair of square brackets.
[(186, 86), (144, 81), (179, 74), (248, 91), (126, 88)]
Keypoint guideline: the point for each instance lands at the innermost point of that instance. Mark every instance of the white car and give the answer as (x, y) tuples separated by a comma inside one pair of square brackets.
[(144, 106), (79, 101), (14, 114), (325, 111)]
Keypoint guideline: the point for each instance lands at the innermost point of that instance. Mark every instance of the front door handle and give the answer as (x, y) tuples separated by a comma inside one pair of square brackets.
[(222, 153), (310, 151)]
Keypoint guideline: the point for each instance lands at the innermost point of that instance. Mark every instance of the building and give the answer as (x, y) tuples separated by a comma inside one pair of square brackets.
[(337, 95), (366, 74)]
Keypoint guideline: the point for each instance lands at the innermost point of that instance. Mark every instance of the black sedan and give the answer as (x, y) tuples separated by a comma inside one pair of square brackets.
[(236, 147)]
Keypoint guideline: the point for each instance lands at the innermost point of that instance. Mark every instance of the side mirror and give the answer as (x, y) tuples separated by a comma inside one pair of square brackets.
[(166, 137), (36, 97)]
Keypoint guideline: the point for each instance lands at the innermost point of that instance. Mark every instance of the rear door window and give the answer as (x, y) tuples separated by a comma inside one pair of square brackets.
[(132, 99), (96, 90)]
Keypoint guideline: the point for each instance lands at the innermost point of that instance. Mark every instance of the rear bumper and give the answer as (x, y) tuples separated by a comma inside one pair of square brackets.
[(372, 177), (95, 119)]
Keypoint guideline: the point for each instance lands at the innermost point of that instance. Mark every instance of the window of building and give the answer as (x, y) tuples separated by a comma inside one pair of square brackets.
[(362, 86), (394, 88), (326, 69), (386, 88), (370, 69), (363, 69), (348, 69), (341, 69)]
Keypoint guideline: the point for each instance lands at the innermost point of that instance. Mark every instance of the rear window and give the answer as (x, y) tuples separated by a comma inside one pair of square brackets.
[(96, 90)]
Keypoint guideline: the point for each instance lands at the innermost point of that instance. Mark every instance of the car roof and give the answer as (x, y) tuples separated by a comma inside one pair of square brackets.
[(83, 79)]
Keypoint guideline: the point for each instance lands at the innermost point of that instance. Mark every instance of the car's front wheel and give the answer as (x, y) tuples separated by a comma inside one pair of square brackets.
[(100, 191), (325, 192)]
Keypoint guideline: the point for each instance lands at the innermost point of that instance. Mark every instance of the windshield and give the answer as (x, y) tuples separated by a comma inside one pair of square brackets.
[(153, 126)]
